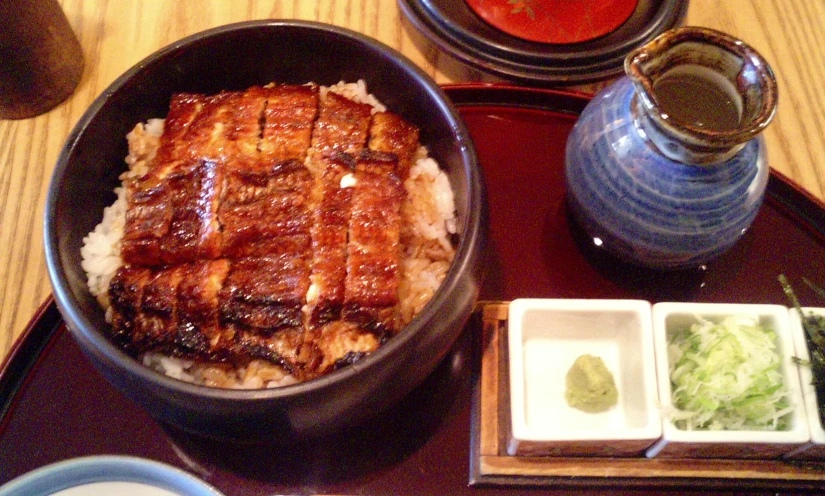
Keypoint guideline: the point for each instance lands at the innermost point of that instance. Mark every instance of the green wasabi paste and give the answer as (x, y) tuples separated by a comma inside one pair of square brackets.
[(590, 385)]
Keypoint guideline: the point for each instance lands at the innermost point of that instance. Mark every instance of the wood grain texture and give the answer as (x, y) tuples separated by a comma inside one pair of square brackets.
[(116, 34)]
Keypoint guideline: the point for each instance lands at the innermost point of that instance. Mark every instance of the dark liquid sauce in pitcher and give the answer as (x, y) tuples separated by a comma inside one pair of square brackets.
[(694, 98)]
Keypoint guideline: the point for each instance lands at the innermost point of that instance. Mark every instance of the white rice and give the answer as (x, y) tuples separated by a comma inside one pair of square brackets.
[(429, 222), (357, 92)]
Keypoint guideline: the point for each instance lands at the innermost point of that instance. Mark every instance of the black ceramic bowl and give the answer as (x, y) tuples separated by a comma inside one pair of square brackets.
[(235, 57)]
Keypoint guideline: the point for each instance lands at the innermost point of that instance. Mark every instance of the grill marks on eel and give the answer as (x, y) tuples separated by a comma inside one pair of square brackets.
[(243, 242)]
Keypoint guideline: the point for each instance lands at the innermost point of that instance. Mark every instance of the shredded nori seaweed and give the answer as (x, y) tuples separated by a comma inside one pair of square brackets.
[(814, 326)]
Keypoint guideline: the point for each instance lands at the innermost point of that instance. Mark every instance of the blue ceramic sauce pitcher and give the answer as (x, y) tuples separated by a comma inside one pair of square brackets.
[(666, 167)]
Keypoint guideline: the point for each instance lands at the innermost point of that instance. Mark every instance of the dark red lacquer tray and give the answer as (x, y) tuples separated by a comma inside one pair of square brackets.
[(54, 405)]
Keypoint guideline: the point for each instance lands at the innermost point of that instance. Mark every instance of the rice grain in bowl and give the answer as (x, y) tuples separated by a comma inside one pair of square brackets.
[(278, 172), (234, 58)]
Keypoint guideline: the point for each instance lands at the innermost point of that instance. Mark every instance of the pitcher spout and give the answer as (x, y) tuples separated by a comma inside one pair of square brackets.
[(701, 94)]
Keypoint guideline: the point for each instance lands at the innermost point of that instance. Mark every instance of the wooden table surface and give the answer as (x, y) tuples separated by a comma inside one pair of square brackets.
[(117, 34)]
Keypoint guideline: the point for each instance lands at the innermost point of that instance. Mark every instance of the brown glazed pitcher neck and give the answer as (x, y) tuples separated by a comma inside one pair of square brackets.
[(721, 62)]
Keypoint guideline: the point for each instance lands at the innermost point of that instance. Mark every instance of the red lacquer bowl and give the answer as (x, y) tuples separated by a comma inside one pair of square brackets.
[(554, 21)]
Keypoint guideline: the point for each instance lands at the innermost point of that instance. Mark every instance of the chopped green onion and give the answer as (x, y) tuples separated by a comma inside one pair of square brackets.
[(727, 376)]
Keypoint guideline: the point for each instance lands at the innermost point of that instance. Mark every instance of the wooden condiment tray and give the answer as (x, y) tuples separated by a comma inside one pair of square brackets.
[(491, 465)]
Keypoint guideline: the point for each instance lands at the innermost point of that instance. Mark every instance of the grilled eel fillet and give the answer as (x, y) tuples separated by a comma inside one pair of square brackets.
[(268, 226)]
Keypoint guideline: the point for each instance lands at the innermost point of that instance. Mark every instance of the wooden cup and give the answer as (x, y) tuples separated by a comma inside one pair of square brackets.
[(41, 61)]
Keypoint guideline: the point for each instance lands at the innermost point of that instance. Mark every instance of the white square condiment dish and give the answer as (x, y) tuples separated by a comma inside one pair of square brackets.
[(545, 336), (672, 318), (815, 448)]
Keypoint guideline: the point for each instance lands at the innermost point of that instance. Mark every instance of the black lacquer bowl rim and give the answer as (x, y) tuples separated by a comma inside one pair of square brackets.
[(471, 227)]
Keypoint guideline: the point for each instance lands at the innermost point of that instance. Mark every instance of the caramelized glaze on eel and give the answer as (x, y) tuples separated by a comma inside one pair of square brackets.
[(268, 227)]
